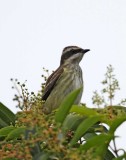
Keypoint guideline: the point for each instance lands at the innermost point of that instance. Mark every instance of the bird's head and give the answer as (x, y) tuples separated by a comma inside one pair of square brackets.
[(72, 54)]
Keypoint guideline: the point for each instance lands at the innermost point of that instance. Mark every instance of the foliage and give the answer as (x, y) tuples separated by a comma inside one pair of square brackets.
[(111, 86), (6, 116), (70, 132)]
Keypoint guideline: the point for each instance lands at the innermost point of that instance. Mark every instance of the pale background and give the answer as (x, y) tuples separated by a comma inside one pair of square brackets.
[(33, 34)]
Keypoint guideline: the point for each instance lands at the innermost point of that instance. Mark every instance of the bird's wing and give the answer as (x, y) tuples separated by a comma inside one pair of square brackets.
[(51, 81)]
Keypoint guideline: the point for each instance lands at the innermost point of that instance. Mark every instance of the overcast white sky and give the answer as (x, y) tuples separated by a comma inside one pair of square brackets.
[(33, 34)]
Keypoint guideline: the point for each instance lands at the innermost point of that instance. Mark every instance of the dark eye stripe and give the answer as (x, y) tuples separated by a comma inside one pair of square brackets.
[(69, 54)]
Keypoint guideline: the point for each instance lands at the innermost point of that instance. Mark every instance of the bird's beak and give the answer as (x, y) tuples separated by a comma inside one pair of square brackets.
[(85, 50)]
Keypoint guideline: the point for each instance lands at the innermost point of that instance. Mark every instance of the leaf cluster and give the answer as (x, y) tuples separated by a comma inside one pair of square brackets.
[(72, 132)]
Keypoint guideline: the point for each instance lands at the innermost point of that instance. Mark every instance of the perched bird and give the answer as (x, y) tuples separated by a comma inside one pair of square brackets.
[(67, 78)]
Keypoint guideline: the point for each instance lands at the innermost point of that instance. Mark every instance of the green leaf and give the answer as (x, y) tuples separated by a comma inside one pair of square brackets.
[(41, 156), (66, 105), (83, 110), (71, 122), (99, 143), (89, 135), (83, 128), (6, 115), (16, 133), (6, 130), (109, 155), (2, 123), (120, 108), (116, 123)]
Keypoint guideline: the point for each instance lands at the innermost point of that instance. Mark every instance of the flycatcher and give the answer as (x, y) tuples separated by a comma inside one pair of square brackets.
[(67, 78)]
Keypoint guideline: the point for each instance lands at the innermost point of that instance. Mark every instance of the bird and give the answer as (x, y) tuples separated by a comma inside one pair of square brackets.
[(65, 79)]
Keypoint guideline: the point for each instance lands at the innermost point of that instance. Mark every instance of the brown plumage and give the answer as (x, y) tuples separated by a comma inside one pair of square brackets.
[(51, 81), (66, 78)]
